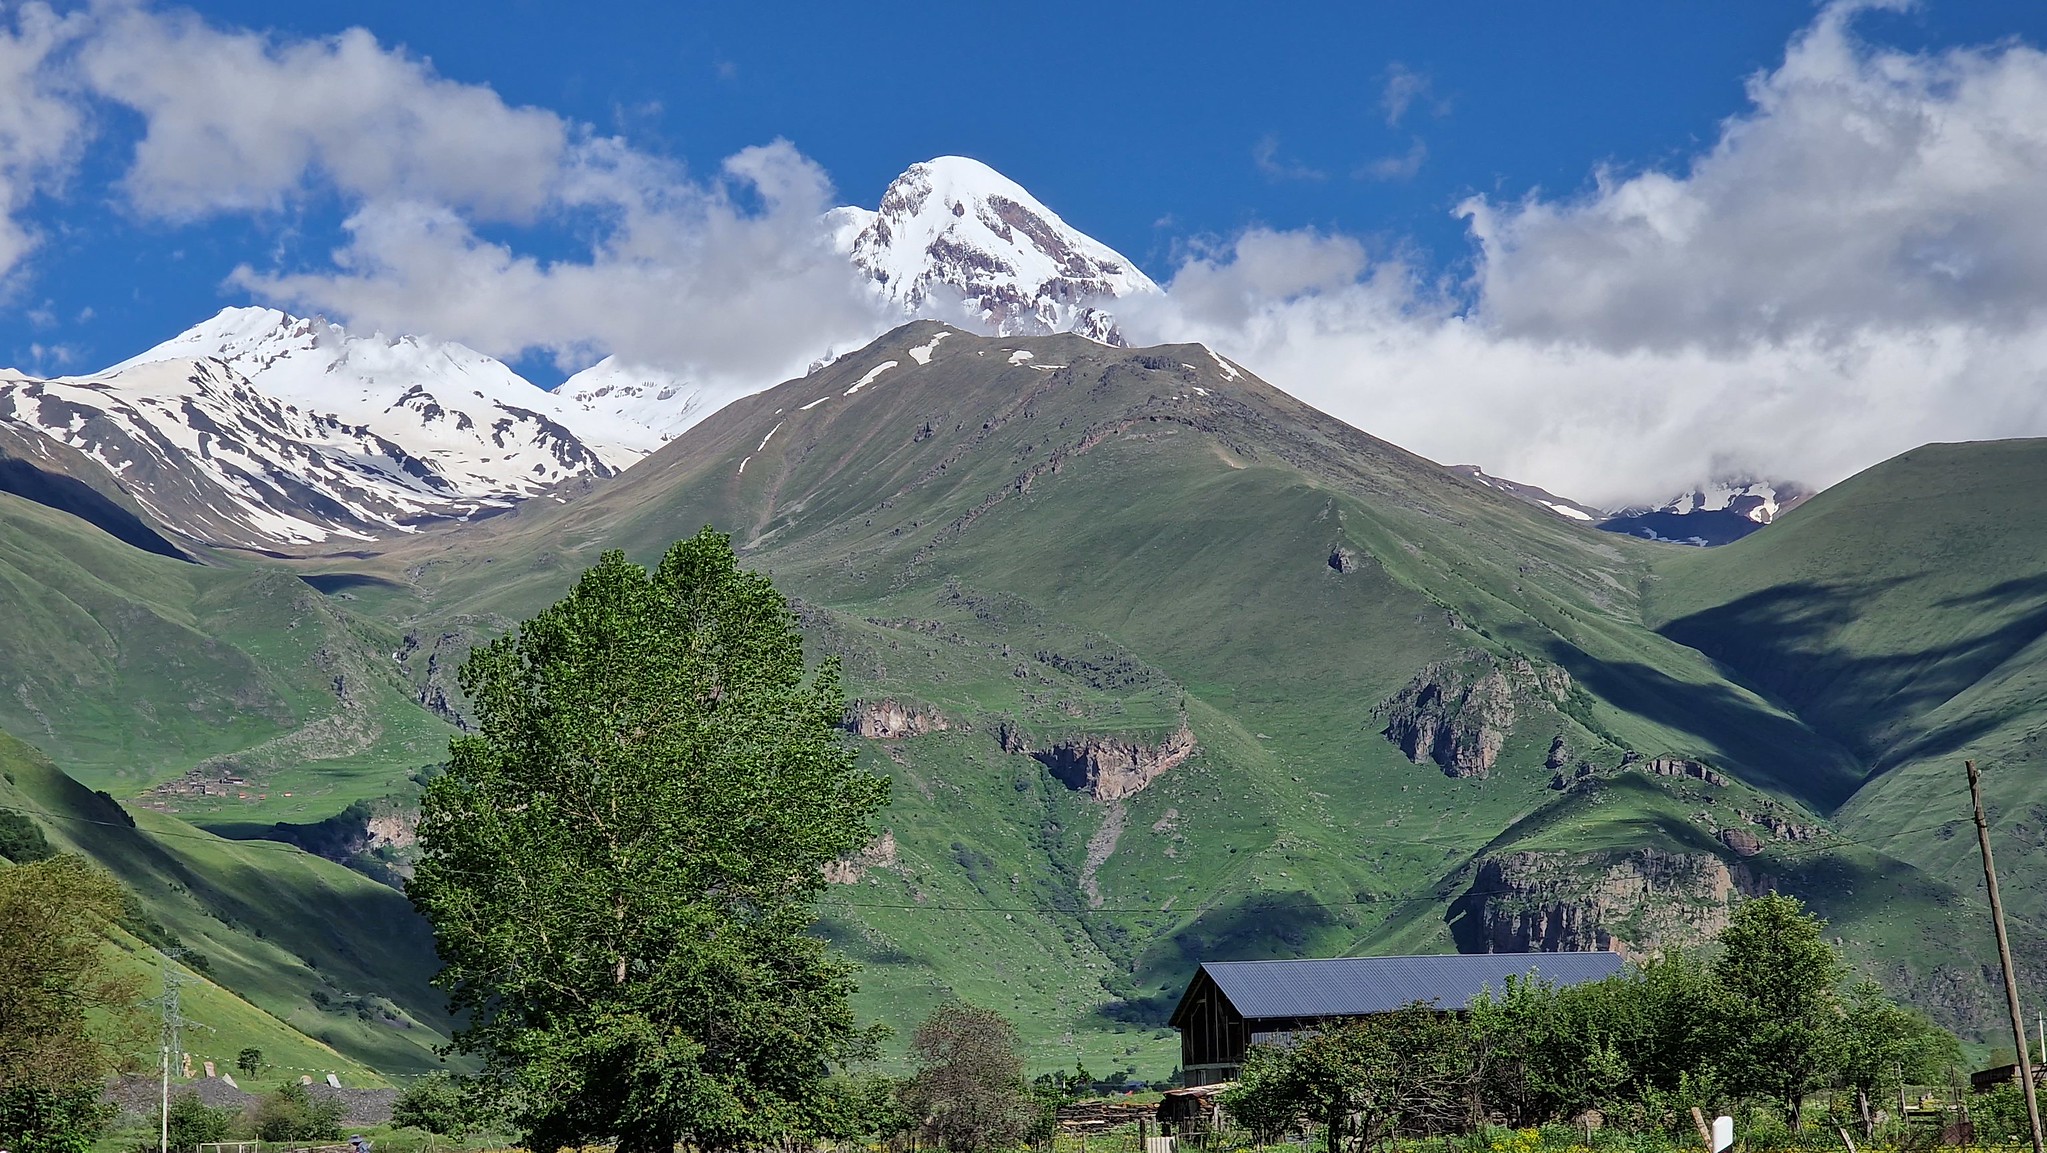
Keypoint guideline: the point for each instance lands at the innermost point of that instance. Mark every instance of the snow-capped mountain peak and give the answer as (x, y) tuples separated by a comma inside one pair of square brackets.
[(654, 404), (953, 233), (1761, 501)]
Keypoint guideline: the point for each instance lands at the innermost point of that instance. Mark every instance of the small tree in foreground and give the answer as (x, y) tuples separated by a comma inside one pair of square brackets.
[(622, 863), (969, 1089), (292, 1113), (1404, 1073), (65, 1017), (194, 1123)]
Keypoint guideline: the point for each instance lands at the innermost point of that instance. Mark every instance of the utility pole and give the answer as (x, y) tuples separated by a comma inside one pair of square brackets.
[(2011, 979), (174, 1023)]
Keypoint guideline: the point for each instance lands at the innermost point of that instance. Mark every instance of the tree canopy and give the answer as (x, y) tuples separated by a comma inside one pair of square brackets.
[(66, 1018), (969, 1090), (622, 861)]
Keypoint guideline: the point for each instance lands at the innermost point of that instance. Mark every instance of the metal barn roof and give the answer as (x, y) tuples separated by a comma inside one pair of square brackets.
[(1353, 986)]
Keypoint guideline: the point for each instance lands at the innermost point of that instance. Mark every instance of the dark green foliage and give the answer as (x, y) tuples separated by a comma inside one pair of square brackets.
[(1404, 1073), (292, 1113), (438, 1104), (41, 1120), (250, 1061), (66, 1016), (1780, 976), (194, 1123), (1542, 1053), (859, 1109), (1884, 1043), (2000, 1116), (969, 1092), (21, 839), (621, 865)]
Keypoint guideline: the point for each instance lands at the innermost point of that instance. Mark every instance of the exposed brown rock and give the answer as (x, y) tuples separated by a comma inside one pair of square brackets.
[(1780, 828), (890, 720), (1455, 713), (848, 870), (1634, 902), (1743, 842), (1679, 767), (1112, 768), (1344, 560)]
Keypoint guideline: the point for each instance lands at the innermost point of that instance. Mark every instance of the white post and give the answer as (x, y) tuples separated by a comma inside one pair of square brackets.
[(1723, 1134), (164, 1115)]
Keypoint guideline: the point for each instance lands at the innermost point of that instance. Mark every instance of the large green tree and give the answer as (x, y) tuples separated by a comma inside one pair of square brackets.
[(622, 862), (1780, 975)]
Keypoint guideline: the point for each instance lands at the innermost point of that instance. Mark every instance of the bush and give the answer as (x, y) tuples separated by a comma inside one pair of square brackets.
[(52, 1120), (22, 840), (292, 1114), (2000, 1116), (438, 1104), (194, 1123)]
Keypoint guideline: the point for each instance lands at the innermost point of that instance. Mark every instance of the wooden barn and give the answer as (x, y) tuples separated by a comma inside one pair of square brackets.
[(1230, 1006)]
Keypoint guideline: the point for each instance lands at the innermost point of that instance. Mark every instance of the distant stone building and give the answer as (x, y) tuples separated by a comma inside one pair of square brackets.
[(1230, 1006)]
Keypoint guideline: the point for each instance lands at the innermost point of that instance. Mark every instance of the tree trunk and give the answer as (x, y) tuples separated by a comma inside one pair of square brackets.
[(1868, 1121)]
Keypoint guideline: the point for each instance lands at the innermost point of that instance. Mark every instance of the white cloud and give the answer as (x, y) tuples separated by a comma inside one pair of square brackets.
[(1854, 268), (1404, 86), (1401, 166), (686, 279), (236, 121), (42, 127), (727, 280), (1265, 154), (1865, 188)]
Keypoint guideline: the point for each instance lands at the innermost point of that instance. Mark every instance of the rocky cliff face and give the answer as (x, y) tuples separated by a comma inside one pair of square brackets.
[(1634, 902), (892, 720), (1458, 713), (1113, 768)]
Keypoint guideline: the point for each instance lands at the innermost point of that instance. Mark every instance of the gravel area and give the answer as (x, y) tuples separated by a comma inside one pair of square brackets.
[(137, 1097)]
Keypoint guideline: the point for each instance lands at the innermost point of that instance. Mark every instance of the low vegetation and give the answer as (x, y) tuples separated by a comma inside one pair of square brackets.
[(1766, 1024)]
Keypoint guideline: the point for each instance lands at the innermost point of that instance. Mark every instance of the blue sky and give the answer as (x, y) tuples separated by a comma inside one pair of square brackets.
[(1175, 132)]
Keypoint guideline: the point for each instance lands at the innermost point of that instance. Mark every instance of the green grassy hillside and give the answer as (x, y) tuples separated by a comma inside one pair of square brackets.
[(1093, 547), (138, 670), (314, 964), (1902, 614)]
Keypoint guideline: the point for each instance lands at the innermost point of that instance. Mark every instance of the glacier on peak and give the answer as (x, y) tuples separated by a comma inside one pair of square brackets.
[(956, 240)]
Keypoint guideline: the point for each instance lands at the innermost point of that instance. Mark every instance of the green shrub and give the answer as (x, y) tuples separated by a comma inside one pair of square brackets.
[(193, 1123), (52, 1121), (292, 1114)]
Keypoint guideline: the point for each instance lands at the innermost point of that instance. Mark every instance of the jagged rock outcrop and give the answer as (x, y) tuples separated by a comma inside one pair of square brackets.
[(1344, 560), (890, 720), (848, 870), (1741, 842), (1635, 902), (1458, 713), (1113, 768), (1780, 828), (1676, 767)]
